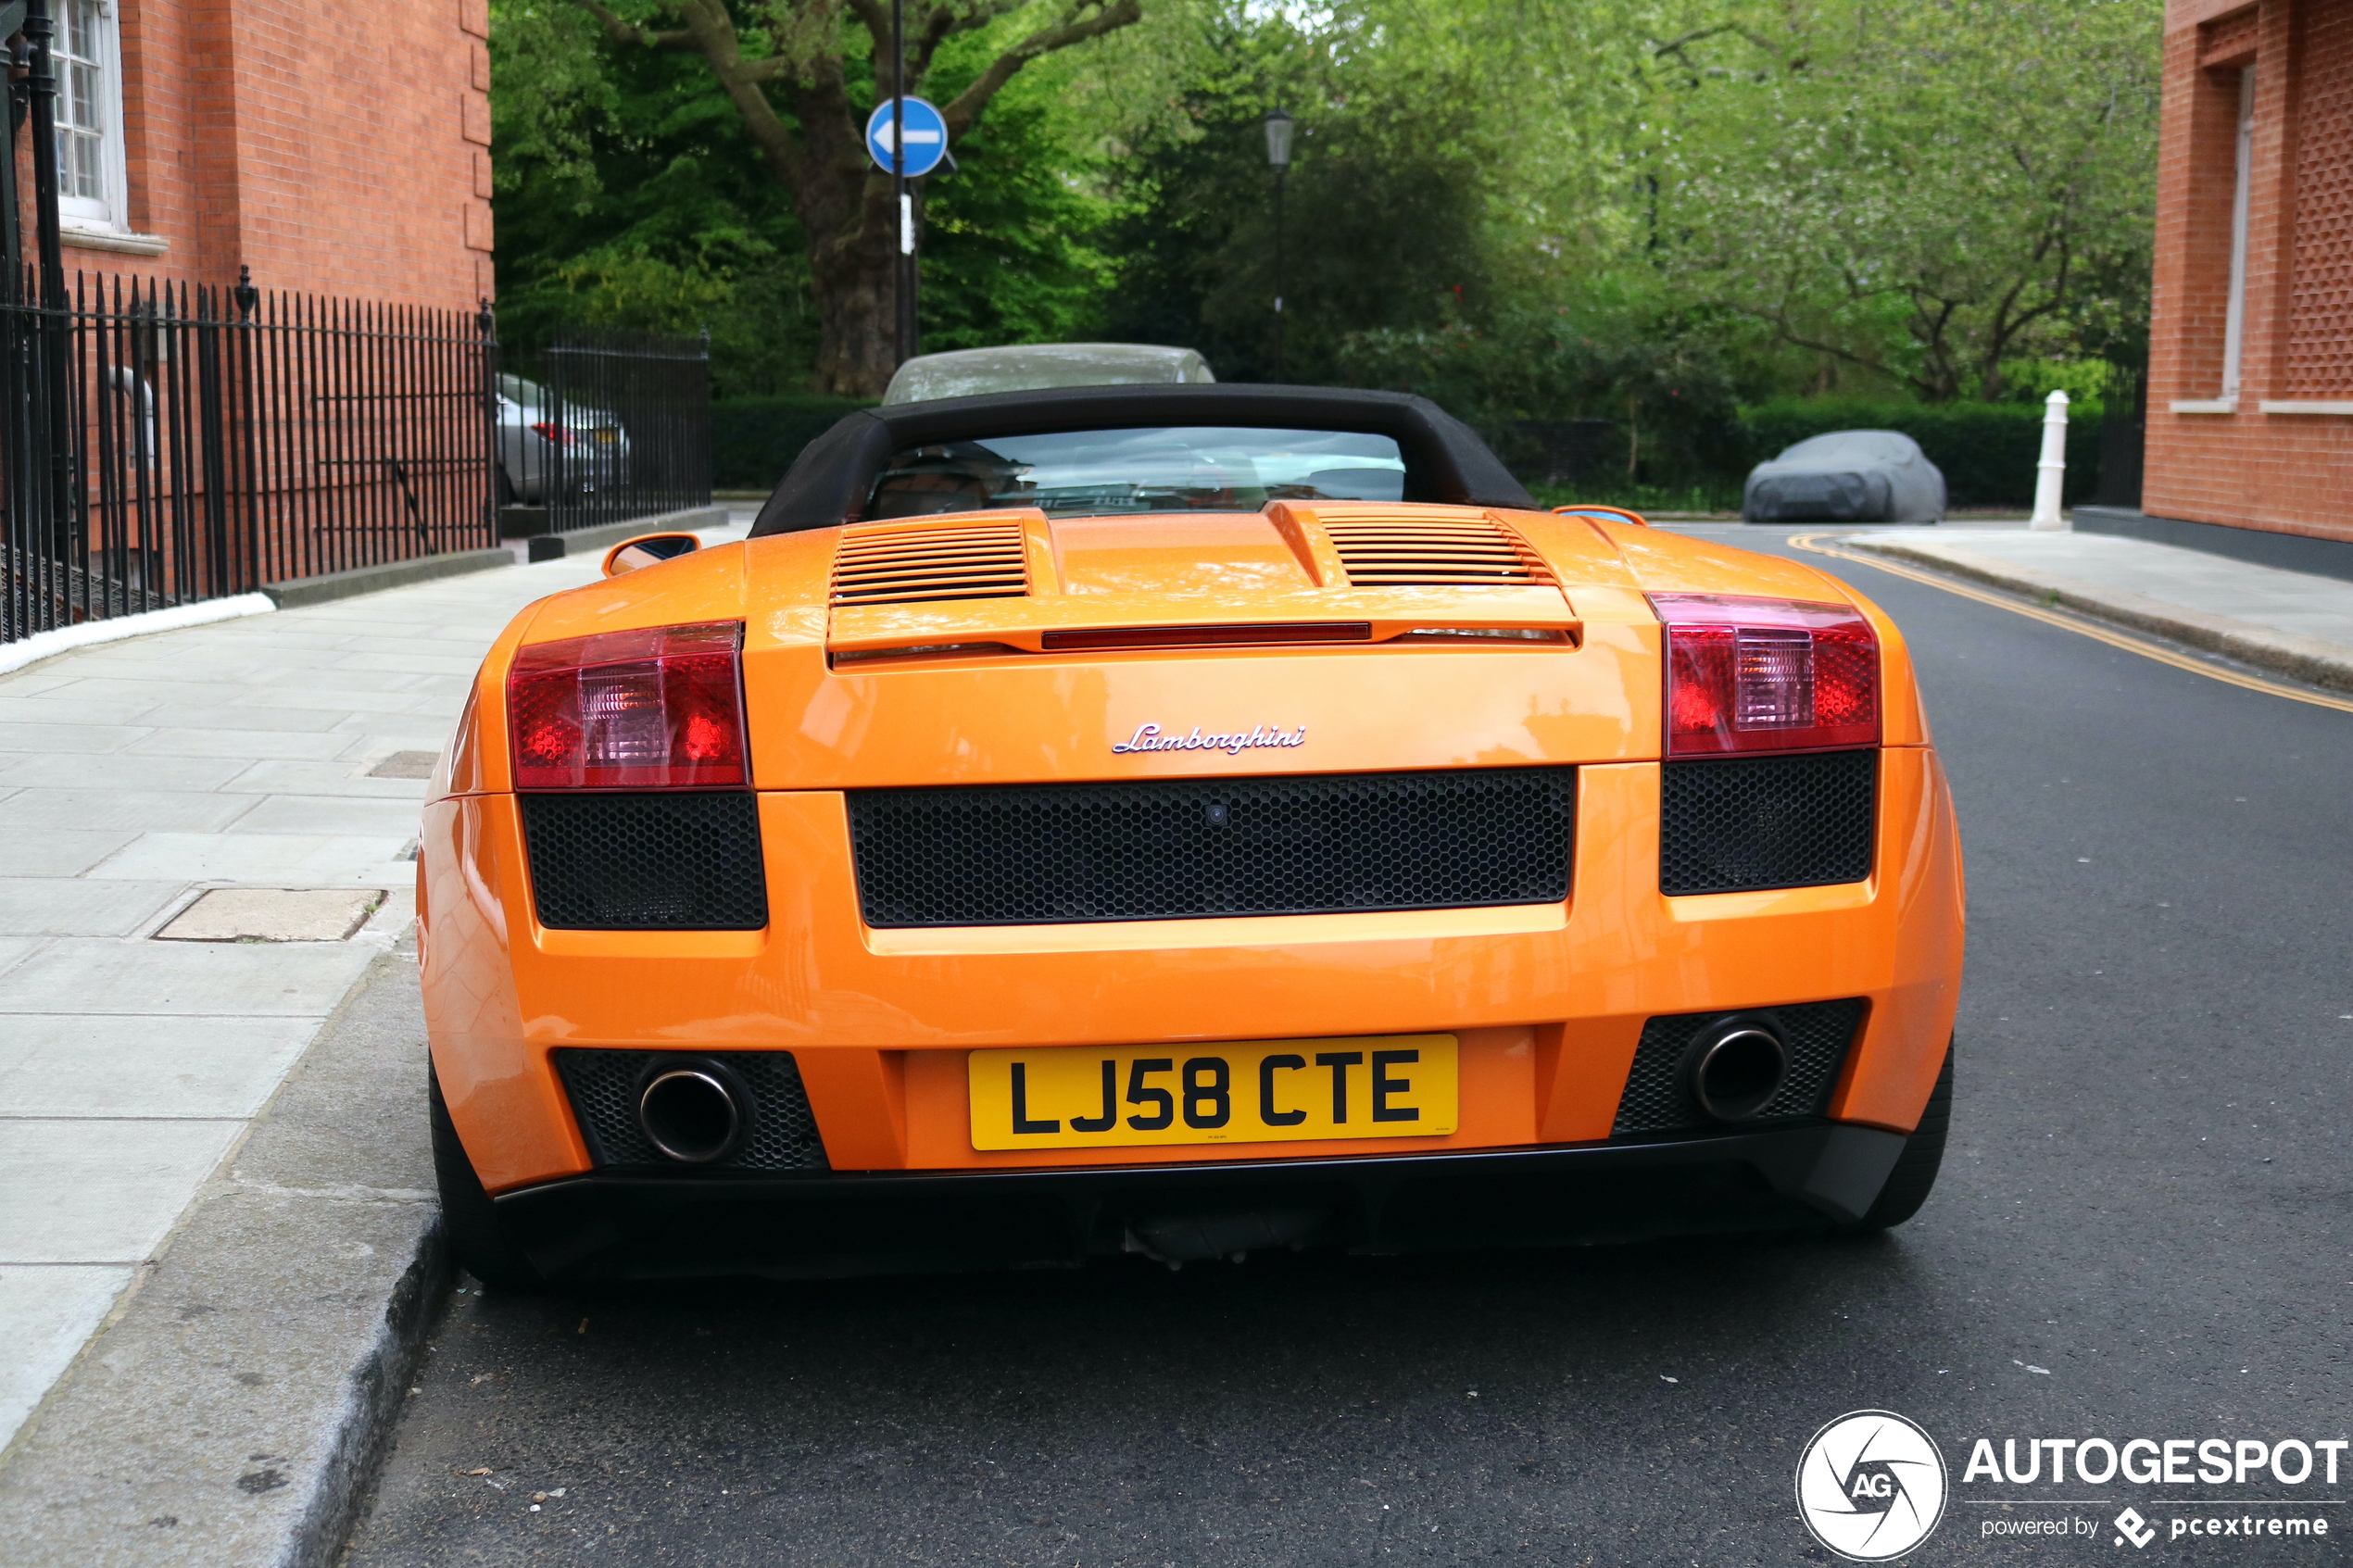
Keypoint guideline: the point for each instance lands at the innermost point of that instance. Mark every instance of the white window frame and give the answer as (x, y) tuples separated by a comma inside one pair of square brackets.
[(111, 213), (2234, 314)]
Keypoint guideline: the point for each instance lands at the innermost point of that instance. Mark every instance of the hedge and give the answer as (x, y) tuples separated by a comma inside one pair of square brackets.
[(1986, 450), (754, 440)]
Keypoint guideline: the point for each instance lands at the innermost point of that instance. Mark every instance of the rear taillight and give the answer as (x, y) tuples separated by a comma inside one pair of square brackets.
[(660, 708), (549, 430), (1767, 674)]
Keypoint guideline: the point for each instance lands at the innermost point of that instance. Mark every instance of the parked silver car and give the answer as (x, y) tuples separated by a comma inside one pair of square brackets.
[(1846, 476), (545, 450), (1033, 367)]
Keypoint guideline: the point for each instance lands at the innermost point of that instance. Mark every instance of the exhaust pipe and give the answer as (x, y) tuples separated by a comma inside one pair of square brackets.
[(1735, 1066), (694, 1112)]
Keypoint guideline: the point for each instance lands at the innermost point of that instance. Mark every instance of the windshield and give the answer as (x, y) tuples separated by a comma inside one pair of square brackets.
[(1081, 473)]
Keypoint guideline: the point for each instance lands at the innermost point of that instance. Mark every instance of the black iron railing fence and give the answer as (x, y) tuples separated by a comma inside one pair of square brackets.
[(608, 425), (165, 443)]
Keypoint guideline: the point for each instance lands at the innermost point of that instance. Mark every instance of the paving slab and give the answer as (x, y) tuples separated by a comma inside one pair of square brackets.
[(51, 1309), (72, 906), (281, 858), (182, 979), (68, 737), (85, 1065), (114, 771), (2293, 622), (395, 819), (56, 851), (101, 1189), (246, 744), (132, 809), (284, 777)]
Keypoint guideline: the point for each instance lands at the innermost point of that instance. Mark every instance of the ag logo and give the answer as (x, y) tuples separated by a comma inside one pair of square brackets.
[(1870, 1485)]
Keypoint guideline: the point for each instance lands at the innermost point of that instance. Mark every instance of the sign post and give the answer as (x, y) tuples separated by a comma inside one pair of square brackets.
[(907, 138)]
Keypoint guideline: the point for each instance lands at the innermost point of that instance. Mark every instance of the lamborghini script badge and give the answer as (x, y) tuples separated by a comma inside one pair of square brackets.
[(1149, 737)]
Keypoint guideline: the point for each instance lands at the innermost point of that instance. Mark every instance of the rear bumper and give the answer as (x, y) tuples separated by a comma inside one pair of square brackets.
[(610, 1226)]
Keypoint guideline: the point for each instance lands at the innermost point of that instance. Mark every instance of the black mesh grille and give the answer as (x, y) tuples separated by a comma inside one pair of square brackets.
[(1043, 854), (1816, 1035), (639, 862), (1774, 821), (604, 1085)]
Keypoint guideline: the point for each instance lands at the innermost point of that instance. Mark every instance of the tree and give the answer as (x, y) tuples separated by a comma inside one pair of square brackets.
[(795, 72), (1918, 188)]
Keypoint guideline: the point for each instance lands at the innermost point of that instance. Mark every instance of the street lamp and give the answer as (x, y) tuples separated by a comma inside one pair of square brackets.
[(1279, 159)]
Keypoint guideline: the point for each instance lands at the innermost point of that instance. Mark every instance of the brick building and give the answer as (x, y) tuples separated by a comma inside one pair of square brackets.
[(332, 147), (2250, 407)]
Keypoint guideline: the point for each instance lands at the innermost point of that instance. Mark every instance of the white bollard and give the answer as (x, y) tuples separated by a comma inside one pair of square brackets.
[(2050, 469)]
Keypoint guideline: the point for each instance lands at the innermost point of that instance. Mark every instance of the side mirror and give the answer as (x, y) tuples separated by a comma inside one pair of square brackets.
[(648, 550)]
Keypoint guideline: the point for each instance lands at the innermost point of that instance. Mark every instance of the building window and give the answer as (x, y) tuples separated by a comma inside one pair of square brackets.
[(91, 193), (2243, 174)]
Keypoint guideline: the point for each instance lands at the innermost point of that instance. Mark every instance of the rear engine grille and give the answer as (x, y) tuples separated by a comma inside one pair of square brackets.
[(1418, 551), (604, 1086), (1816, 1035), (682, 861), (1777, 821), (920, 562), (1045, 854)]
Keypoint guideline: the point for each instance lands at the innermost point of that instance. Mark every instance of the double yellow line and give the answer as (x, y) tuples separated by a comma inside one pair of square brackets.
[(2147, 648)]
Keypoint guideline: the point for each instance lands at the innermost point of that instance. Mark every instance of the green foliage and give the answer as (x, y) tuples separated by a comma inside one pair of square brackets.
[(1917, 190), (1651, 212), (1011, 234), (1382, 209), (629, 197), (1986, 450), (626, 200), (754, 440)]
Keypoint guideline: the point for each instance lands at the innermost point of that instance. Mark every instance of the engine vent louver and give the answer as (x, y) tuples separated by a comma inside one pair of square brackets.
[(922, 562), (1432, 552)]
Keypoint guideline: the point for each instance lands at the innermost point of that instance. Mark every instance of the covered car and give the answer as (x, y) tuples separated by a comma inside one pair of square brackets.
[(1846, 476), (1179, 820), (1029, 366)]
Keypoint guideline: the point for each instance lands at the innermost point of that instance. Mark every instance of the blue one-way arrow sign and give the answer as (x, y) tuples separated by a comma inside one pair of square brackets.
[(926, 136)]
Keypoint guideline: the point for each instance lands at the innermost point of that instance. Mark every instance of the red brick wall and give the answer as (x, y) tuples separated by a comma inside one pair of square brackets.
[(334, 147), (2286, 473)]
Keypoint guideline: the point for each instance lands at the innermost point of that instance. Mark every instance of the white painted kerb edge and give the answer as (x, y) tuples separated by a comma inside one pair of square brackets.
[(64, 639)]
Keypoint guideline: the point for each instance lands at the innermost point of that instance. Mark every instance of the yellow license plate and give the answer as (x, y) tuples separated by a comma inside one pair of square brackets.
[(606, 434), (1376, 1087)]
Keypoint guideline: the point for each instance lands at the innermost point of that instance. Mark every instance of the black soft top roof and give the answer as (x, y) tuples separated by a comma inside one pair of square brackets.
[(1445, 460)]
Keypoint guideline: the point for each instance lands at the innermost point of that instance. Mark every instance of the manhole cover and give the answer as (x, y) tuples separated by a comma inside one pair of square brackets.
[(406, 765), (274, 914)]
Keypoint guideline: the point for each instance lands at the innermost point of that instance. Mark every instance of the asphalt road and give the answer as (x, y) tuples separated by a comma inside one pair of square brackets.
[(2141, 1231)]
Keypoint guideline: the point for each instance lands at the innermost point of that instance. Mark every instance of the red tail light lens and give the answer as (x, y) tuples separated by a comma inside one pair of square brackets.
[(549, 430), (1767, 674), (660, 709)]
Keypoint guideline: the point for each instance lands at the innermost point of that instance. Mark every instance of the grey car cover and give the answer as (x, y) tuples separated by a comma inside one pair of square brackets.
[(1846, 476)]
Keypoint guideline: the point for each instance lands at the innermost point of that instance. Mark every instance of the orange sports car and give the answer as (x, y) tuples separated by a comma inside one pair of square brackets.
[(1180, 820)]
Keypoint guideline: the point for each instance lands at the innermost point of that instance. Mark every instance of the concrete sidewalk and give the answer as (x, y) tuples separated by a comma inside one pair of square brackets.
[(2289, 622), (280, 751)]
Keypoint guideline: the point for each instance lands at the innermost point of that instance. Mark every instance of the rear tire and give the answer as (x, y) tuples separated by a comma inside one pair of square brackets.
[(1915, 1174), (477, 1240)]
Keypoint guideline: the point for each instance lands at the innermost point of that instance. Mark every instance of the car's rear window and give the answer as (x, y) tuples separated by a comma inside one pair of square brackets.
[(1080, 474)]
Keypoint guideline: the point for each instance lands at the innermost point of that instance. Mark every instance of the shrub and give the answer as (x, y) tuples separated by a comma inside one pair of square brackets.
[(1986, 450), (754, 440)]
